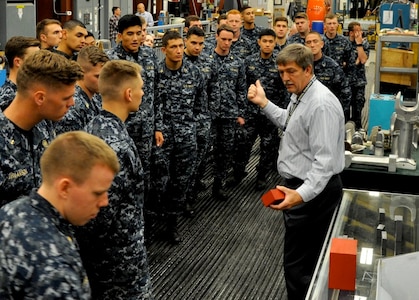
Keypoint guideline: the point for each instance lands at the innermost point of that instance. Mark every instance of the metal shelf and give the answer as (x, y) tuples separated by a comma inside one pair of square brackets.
[(404, 70)]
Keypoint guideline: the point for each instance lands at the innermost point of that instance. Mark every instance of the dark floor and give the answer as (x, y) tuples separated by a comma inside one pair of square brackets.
[(230, 250)]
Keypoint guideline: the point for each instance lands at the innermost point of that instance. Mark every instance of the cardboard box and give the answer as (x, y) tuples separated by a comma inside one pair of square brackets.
[(342, 267), (396, 58)]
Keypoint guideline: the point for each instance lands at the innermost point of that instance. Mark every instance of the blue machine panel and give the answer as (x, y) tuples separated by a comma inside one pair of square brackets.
[(382, 107), (394, 15)]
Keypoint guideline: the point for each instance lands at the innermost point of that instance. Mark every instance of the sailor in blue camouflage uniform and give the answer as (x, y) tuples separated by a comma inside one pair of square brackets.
[(336, 46), (87, 101), (210, 42), (25, 132), (228, 106), (180, 98), (112, 246), (302, 23), (249, 28), (194, 44), (328, 72), (140, 124), (16, 50), (73, 39), (241, 46), (39, 255), (280, 26), (356, 72), (261, 66)]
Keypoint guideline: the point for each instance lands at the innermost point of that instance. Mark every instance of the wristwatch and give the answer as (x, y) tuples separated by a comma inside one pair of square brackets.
[(359, 45)]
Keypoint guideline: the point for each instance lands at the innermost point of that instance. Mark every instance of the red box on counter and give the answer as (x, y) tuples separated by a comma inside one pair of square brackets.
[(342, 267)]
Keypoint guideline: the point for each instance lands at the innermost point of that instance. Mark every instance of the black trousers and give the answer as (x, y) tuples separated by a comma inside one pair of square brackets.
[(306, 227)]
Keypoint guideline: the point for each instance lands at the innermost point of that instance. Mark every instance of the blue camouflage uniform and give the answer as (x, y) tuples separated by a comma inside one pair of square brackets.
[(20, 153), (227, 95), (241, 48), (80, 114), (278, 47), (357, 82), (7, 93), (209, 44), (112, 245), (339, 49), (329, 73), (203, 125), (140, 124), (296, 38), (265, 70), (180, 99), (252, 35), (71, 57), (39, 256)]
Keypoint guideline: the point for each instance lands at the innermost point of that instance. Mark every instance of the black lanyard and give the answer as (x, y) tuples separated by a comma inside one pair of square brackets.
[(294, 106)]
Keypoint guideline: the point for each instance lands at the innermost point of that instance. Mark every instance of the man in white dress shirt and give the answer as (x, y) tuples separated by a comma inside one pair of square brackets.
[(311, 156)]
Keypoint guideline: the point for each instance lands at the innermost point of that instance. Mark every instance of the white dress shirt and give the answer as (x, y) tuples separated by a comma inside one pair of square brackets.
[(312, 148)]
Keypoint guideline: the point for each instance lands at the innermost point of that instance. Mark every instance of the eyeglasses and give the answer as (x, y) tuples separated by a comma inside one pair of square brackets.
[(312, 42)]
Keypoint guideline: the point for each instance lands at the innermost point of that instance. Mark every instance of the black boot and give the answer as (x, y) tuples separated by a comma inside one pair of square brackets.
[(260, 182), (173, 235), (219, 190), (189, 211), (236, 178)]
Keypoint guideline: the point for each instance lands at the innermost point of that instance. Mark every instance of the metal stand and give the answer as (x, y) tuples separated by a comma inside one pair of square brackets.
[(404, 121)]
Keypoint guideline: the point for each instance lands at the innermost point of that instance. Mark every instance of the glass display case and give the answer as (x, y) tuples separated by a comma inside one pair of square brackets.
[(385, 224)]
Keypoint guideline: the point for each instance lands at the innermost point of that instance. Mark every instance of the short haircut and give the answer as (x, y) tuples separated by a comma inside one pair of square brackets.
[(71, 24), (331, 16), (267, 31), (226, 28), (191, 18), (74, 154), (91, 56), (221, 17), (244, 8), (297, 53), (316, 33), (114, 8), (48, 68), (116, 73), (128, 21), (16, 47), (196, 31), (89, 33), (170, 35), (233, 12), (301, 15), (281, 19), (40, 27), (351, 26)]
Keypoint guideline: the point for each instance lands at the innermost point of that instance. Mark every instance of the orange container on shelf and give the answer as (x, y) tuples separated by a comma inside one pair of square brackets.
[(316, 10)]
